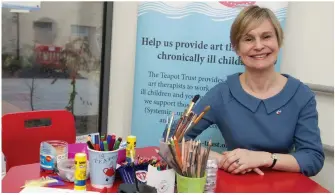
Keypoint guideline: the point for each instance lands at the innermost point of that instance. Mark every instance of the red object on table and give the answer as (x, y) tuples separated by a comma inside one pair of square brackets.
[(21, 142), (272, 181)]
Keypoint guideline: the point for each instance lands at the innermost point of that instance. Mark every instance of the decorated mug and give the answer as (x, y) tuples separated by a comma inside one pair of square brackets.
[(103, 168)]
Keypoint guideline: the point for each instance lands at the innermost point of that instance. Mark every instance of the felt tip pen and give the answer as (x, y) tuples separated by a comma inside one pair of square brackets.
[(89, 139), (117, 143), (113, 142), (96, 142), (105, 146), (89, 144), (102, 146), (102, 138), (109, 140)]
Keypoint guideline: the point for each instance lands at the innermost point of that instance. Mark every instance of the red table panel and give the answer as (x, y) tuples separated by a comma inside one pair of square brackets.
[(271, 181)]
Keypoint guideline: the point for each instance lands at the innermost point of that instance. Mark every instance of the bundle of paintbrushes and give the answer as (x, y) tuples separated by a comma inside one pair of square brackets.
[(190, 160), (186, 122)]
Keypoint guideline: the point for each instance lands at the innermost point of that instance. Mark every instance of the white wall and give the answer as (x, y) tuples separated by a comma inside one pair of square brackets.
[(308, 54), (63, 15), (300, 51), (122, 68)]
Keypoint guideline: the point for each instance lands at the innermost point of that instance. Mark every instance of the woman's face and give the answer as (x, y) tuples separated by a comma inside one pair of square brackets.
[(259, 48)]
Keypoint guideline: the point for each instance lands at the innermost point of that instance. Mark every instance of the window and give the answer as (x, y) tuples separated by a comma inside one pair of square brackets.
[(41, 63), (78, 30), (43, 32), (46, 25)]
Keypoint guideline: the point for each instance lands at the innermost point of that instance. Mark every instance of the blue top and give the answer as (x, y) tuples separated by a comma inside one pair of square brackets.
[(286, 121)]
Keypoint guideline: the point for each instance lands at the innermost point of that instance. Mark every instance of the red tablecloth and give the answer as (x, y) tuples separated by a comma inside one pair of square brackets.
[(272, 181)]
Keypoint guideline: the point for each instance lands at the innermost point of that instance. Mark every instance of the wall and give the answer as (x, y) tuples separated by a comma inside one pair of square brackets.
[(63, 15), (123, 63), (308, 54), (122, 68), (8, 32)]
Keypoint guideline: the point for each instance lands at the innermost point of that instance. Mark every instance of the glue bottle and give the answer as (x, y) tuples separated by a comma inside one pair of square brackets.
[(131, 145), (80, 162)]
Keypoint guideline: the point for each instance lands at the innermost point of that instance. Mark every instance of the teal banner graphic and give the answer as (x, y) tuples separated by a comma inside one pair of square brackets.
[(183, 49)]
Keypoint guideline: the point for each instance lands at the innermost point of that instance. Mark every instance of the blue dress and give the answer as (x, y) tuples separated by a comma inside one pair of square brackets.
[(285, 123)]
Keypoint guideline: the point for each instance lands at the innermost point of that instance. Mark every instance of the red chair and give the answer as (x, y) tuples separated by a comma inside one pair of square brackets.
[(21, 144)]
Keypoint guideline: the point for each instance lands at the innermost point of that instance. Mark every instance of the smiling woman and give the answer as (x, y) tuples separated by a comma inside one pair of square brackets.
[(267, 119), (258, 47)]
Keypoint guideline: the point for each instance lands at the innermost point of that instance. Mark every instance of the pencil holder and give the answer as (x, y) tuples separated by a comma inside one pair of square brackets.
[(162, 180), (127, 173), (190, 184), (164, 147), (102, 168)]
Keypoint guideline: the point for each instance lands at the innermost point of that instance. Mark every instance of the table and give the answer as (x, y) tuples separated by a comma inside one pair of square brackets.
[(271, 181)]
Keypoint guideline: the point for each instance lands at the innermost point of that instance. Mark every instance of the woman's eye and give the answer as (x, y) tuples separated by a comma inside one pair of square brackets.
[(267, 37)]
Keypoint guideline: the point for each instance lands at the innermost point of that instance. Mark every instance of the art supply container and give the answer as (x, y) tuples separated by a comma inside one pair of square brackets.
[(162, 180), (51, 153), (102, 168), (66, 170), (127, 173), (212, 171), (164, 147), (190, 184)]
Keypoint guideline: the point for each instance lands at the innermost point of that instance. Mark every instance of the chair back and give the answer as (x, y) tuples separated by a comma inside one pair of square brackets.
[(23, 132)]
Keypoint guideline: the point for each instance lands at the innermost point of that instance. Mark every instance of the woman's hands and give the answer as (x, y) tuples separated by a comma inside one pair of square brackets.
[(240, 161)]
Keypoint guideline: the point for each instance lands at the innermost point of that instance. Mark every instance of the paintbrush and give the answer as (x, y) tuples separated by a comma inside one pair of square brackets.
[(169, 128), (186, 128), (207, 108), (183, 150), (174, 158), (196, 158), (184, 117), (199, 163), (189, 158), (177, 149), (181, 126), (180, 121), (194, 100), (193, 122)]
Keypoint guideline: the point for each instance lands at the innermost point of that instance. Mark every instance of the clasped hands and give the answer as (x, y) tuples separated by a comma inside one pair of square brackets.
[(241, 161)]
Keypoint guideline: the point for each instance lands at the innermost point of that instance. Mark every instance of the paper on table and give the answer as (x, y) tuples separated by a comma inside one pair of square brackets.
[(83, 138), (51, 190), (163, 181)]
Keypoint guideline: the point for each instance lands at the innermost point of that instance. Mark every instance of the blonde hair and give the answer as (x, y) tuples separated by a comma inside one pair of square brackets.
[(249, 18)]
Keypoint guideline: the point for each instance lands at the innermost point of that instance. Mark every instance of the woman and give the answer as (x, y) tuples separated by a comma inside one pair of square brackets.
[(267, 119)]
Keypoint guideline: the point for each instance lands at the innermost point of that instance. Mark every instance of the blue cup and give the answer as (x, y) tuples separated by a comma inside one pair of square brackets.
[(102, 168)]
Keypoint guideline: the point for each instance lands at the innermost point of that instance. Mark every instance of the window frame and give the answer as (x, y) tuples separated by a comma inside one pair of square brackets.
[(106, 52)]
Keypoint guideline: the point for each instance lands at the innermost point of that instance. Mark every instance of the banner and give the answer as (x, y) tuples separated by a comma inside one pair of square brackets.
[(22, 5), (183, 49)]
